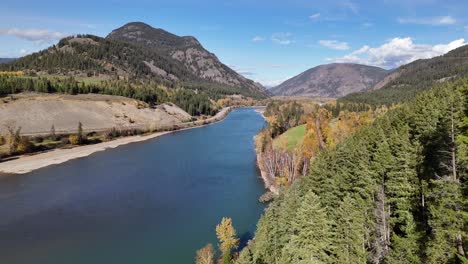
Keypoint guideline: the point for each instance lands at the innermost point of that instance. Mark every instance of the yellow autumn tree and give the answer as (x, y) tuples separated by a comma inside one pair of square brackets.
[(205, 255), (310, 145), (227, 238)]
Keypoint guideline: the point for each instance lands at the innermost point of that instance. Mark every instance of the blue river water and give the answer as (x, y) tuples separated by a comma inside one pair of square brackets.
[(156, 201)]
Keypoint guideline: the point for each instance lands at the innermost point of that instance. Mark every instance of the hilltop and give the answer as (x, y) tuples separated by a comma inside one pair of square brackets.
[(138, 53), (331, 80)]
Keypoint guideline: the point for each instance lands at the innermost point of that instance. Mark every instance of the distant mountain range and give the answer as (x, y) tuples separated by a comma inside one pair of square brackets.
[(332, 80), (139, 52), (5, 60)]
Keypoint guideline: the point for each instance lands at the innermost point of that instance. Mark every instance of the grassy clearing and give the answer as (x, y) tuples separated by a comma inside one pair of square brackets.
[(291, 138)]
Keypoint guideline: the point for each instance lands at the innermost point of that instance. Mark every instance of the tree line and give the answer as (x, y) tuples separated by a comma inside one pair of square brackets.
[(393, 192), (194, 102)]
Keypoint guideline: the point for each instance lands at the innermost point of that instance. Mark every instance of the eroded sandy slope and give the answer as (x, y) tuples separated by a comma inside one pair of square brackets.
[(36, 113)]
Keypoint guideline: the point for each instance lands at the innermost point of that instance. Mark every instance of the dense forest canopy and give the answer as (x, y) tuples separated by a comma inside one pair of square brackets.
[(393, 192)]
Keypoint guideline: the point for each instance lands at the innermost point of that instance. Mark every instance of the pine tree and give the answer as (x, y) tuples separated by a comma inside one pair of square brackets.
[(311, 239), (349, 239)]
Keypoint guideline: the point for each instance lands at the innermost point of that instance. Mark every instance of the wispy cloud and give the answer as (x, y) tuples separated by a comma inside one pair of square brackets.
[(39, 36), (242, 71), (24, 52), (333, 44), (273, 65), (282, 38), (314, 16), (257, 39), (396, 52), (350, 5), (436, 21)]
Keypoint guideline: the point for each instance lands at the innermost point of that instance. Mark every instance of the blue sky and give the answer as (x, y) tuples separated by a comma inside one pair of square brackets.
[(268, 41)]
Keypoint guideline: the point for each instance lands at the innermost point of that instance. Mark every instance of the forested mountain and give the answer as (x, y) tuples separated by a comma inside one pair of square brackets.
[(120, 57), (185, 50), (394, 192), (406, 81), (332, 80), (90, 55)]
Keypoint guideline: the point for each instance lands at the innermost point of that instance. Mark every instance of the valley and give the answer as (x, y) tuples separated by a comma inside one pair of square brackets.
[(240, 132)]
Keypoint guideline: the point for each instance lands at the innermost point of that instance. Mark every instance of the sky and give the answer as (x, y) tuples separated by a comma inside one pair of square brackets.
[(267, 41)]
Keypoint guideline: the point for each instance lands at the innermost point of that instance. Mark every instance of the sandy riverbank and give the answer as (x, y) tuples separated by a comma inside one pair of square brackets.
[(28, 163)]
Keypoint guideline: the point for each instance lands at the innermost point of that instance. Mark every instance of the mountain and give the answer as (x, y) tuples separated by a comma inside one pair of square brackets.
[(91, 55), (331, 80), (185, 50), (5, 60), (141, 54), (410, 79)]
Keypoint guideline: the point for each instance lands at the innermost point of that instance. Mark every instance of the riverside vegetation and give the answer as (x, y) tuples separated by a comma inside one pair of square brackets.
[(393, 192), (389, 190)]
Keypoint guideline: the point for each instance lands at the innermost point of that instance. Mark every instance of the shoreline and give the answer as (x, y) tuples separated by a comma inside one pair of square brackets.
[(269, 184), (28, 163)]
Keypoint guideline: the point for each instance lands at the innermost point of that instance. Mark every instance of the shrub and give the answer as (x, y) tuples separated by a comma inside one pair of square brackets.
[(64, 140), (25, 146), (38, 139), (111, 133), (74, 139)]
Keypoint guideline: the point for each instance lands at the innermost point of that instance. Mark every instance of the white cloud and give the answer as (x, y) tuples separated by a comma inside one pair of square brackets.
[(36, 35), (24, 52), (282, 38), (257, 39), (351, 6), (436, 21), (242, 71), (396, 52), (333, 44), (314, 16)]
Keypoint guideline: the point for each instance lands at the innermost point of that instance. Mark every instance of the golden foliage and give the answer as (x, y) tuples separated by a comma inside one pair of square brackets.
[(205, 255), (12, 73), (74, 139), (227, 236), (24, 146)]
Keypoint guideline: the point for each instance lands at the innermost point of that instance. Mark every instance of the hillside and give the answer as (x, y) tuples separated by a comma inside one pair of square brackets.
[(186, 50), (36, 113), (92, 56), (122, 57), (394, 192), (331, 80), (408, 80)]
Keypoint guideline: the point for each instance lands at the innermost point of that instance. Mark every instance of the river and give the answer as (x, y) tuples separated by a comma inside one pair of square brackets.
[(154, 202)]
